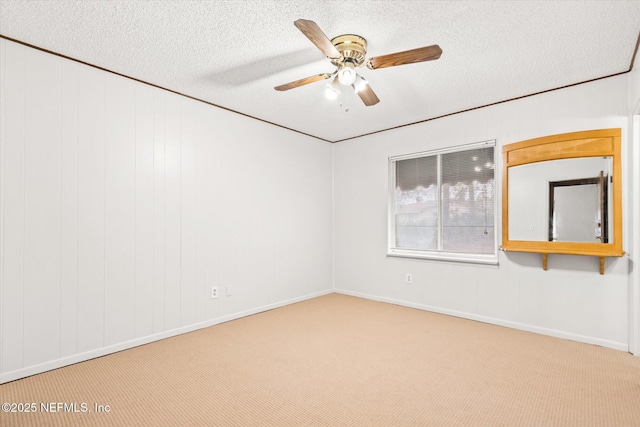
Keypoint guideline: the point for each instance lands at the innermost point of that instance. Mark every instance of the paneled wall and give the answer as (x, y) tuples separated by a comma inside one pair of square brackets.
[(570, 300), (123, 204), (634, 204)]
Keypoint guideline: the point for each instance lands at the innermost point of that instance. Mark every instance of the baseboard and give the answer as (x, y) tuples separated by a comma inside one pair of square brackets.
[(103, 351), (494, 321)]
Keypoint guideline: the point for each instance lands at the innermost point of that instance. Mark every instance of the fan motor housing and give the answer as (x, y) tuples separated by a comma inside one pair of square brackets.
[(352, 47)]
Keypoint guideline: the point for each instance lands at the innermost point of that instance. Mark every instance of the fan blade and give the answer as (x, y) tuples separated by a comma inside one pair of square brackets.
[(421, 54), (317, 37), (303, 82), (366, 94)]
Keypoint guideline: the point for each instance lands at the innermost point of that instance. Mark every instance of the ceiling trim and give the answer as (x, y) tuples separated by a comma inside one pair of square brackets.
[(631, 65), (635, 52), (2, 36)]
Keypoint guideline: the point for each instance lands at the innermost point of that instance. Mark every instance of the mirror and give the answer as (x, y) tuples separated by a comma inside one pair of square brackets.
[(579, 210), (562, 194), (561, 200)]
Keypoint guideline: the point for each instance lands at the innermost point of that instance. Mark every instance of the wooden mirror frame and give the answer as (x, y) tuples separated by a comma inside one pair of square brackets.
[(593, 143)]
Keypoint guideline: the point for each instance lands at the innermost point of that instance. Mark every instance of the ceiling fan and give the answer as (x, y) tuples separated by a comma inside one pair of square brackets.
[(347, 52)]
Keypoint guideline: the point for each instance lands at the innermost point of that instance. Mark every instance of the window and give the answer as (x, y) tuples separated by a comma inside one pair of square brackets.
[(442, 204)]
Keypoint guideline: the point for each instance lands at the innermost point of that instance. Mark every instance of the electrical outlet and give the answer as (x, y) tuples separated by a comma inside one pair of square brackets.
[(214, 292), (408, 278)]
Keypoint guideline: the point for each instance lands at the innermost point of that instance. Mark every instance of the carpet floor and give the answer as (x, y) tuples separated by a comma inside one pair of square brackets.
[(338, 360)]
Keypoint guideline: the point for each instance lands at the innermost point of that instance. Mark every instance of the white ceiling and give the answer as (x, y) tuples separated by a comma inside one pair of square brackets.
[(233, 53)]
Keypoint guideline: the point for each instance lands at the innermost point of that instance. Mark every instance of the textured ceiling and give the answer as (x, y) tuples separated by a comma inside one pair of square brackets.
[(233, 53)]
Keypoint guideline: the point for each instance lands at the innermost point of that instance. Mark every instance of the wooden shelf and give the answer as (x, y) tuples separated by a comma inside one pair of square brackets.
[(545, 256), (575, 145)]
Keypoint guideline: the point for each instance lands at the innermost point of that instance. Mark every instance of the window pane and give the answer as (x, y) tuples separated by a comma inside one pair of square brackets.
[(416, 204), (469, 240), (467, 201), (443, 205), (417, 230), (412, 174)]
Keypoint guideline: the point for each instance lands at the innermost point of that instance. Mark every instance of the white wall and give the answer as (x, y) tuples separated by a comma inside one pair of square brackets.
[(570, 300), (122, 204), (634, 176)]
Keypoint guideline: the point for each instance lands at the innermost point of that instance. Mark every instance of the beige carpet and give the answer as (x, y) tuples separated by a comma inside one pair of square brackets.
[(343, 361)]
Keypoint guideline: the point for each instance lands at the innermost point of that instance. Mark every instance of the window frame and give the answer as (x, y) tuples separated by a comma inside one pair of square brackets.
[(393, 251)]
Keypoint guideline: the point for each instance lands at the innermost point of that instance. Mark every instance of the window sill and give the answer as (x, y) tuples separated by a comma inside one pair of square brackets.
[(444, 256)]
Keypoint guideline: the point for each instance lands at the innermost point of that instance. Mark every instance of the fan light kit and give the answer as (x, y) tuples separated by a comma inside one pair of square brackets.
[(347, 52), (333, 90), (346, 74)]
